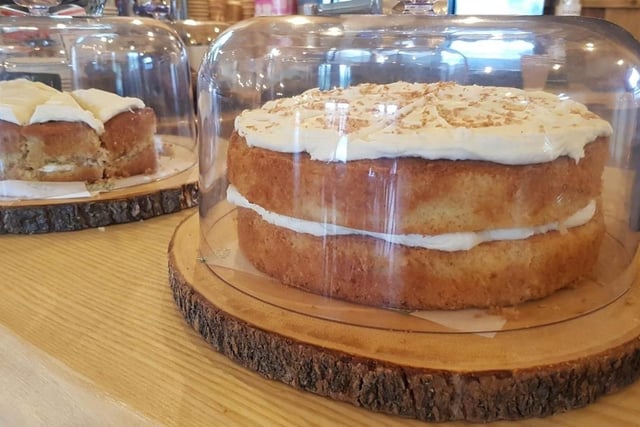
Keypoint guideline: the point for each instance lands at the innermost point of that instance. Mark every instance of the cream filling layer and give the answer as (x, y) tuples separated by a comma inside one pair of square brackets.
[(443, 242), (57, 167)]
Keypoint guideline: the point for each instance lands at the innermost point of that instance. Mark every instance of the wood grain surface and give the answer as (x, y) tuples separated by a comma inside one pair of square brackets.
[(447, 376), (90, 335)]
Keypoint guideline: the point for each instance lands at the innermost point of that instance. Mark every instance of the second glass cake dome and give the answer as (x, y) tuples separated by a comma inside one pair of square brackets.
[(457, 169), (116, 92)]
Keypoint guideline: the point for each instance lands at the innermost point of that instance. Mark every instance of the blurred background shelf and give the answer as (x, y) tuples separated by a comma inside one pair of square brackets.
[(625, 13)]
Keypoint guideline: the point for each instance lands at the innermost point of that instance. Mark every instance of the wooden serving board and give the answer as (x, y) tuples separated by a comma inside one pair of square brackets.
[(124, 205), (443, 376)]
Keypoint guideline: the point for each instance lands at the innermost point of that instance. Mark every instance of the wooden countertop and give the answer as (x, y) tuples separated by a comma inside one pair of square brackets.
[(90, 336)]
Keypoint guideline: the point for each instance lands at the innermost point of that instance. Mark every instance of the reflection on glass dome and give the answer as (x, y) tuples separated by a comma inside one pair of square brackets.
[(116, 90), (405, 164)]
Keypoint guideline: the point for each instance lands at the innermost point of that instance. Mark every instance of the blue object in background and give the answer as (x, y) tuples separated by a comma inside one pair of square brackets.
[(496, 7)]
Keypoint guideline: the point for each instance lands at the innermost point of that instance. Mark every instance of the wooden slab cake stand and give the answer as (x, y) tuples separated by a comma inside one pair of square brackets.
[(529, 372), (119, 206)]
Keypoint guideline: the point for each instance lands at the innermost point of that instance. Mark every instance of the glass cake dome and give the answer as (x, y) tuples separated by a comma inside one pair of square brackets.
[(116, 91), (478, 174)]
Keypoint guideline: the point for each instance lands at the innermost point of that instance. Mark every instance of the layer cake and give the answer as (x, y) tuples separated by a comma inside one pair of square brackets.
[(420, 196)]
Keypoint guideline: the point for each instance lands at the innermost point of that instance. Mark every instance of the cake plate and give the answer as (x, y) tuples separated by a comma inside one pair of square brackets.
[(129, 203), (431, 376)]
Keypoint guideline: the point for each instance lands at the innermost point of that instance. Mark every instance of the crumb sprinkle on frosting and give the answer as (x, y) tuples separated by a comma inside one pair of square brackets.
[(442, 120)]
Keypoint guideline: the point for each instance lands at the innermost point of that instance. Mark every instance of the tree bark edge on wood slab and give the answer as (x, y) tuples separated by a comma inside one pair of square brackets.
[(434, 395), (83, 214)]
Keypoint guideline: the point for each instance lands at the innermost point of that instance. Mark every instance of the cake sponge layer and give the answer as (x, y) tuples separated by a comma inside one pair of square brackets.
[(373, 272)]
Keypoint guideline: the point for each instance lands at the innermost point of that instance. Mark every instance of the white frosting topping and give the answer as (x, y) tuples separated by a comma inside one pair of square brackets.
[(25, 102), (444, 242), (104, 105), (432, 121), (62, 107), (19, 98)]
